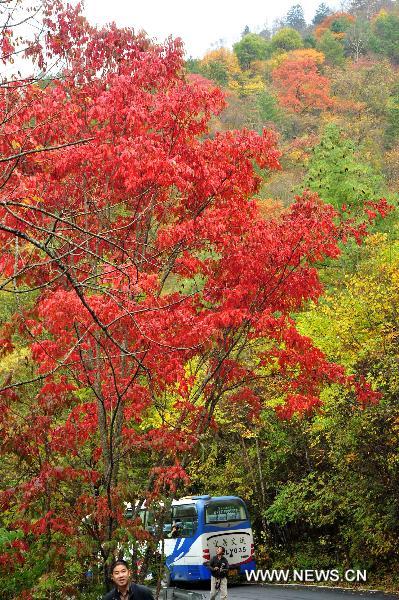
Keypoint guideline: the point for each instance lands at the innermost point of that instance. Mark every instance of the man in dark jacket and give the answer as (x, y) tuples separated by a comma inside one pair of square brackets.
[(219, 568), (124, 590)]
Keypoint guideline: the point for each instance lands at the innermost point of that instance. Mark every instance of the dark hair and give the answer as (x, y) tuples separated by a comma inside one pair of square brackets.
[(119, 562), (223, 548)]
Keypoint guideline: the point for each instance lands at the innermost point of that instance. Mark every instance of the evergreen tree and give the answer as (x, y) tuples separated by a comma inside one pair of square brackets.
[(295, 18), (269, 110), (322, 11)]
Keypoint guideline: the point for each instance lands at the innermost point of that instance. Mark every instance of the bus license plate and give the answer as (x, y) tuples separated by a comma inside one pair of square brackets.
[(233, 572)]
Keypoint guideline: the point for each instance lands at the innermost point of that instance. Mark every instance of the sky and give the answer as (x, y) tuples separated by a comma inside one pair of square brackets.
[(201, 24)]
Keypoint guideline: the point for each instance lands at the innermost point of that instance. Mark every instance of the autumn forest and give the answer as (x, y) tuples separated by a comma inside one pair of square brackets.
[(199, 291)]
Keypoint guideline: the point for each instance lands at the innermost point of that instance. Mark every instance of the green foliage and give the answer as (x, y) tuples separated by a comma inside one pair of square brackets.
[(309, 41), (6, 537), (332, 49), (286, 39), (359, 467), (340, 25), (385, 40), (338, 175), (250, 48), (392, 129), (193, 65), (216, 71), (354, 323), (24, 576), (268, 107)]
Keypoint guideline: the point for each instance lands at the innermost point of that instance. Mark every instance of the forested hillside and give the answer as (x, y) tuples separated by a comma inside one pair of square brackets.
[(324, 486), (199, 287)]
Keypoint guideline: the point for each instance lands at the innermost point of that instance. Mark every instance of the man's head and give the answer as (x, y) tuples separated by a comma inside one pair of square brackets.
[(120, 573), (220, 551)]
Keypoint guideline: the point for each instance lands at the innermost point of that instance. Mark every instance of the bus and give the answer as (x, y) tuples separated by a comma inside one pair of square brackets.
[(203, 523)]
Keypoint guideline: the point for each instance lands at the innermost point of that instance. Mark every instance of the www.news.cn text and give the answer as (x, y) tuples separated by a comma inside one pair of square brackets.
[(306, 576)]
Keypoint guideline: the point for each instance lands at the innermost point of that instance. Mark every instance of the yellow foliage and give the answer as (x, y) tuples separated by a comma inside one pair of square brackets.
[(224, 56), (276, 60), (301, 54), (32, 200), (296, 155), (382, 14), (270, 208), (307, 53), (360, 320), (247, 85), (13, 361), (259, 67)]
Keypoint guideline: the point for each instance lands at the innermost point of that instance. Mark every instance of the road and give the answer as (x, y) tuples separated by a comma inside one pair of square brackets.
[(298, 592)]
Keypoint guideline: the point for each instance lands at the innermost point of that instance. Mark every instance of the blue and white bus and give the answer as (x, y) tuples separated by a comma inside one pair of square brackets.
[(205, 522)]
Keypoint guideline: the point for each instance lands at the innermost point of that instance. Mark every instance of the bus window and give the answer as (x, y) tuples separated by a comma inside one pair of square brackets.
[(185, 517), (146, 516), (220, 512)]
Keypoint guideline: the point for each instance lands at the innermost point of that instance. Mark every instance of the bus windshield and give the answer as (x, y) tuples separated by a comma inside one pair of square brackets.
[(223, 511), (185, 517)]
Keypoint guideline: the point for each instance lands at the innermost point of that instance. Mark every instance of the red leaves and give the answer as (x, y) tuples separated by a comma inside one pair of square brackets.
[(79, 427), (355, 225), (300, 85), (297, 404), (6, 46), (168, 478)]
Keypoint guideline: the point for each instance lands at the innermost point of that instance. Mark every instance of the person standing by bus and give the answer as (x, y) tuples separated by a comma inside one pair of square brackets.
[(219, 569)]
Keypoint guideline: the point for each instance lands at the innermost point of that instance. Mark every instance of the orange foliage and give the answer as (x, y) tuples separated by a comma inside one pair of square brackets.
[(328, 21), (301, 87), (270, 208)]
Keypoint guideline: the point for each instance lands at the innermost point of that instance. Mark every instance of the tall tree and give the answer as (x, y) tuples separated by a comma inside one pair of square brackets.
[(337, 23), (322, 11), (295, 18)]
